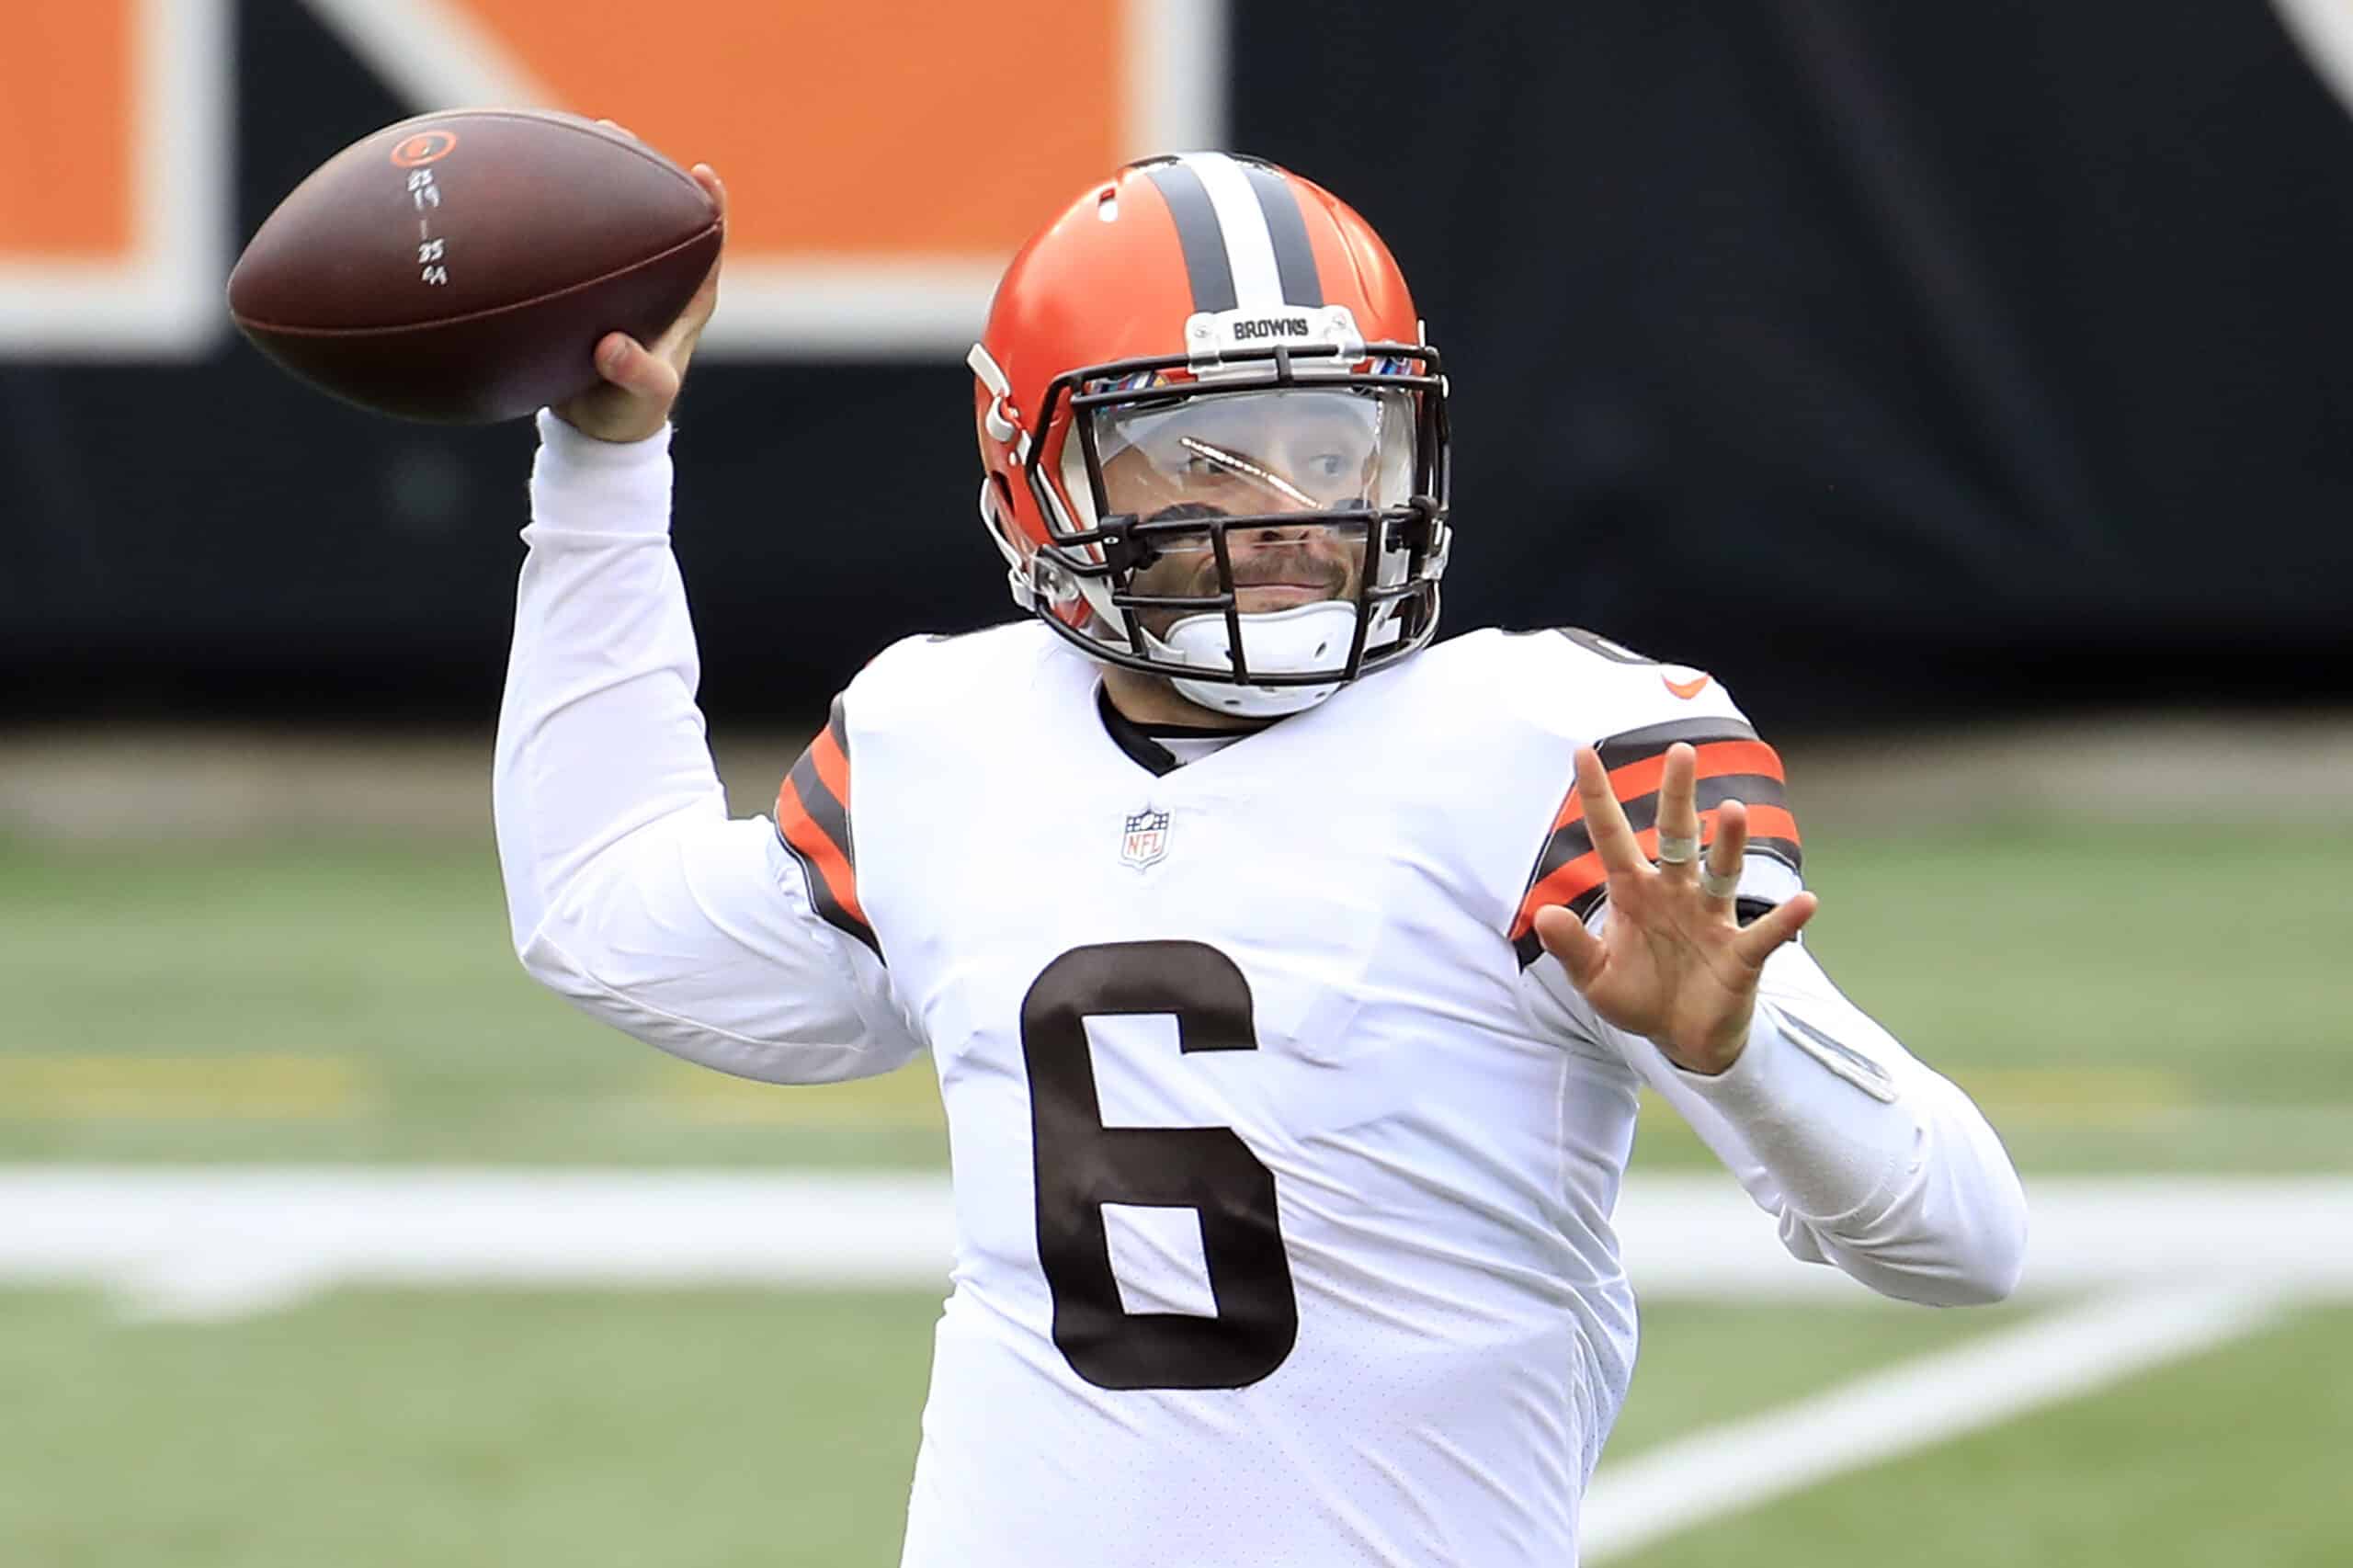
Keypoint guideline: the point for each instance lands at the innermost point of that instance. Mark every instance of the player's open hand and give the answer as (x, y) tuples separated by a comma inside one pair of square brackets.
[(1671, 962), (641, 381)]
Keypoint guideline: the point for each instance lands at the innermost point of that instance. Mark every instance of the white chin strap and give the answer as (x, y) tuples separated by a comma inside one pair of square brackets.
[(1284, 641)]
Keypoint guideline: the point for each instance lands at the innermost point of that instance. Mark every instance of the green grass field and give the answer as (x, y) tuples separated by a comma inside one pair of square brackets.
[(700, 1428), (2231, 1456), (696, 1430), (2123, 1000), (2120, 999)]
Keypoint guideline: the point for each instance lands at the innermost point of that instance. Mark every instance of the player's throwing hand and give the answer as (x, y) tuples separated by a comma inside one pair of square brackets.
[(641, 381), (1671, 962)]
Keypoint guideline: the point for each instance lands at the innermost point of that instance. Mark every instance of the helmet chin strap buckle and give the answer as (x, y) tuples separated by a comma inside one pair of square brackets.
[(1041, 585)]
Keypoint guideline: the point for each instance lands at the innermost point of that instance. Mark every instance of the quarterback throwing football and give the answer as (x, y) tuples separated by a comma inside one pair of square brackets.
[(1290, 976)]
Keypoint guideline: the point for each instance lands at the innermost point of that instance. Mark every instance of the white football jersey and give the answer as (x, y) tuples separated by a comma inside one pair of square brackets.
[(1284, 1161)]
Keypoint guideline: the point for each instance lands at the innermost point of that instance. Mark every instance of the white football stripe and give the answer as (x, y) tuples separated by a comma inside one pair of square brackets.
[(1249, 248)]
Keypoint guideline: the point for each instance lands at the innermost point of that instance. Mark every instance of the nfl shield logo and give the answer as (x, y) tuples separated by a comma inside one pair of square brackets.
[(1146, 840)]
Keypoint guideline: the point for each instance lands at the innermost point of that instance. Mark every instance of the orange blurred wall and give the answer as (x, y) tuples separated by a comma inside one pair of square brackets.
[(67, 73), (882, 128)]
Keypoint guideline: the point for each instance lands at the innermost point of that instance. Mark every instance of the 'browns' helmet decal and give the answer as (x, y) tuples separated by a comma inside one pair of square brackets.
[(1206, 380)]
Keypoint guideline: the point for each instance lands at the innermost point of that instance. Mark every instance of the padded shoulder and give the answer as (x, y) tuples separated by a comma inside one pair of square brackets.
[(1553, 691), (1576, 685), (930, 680)]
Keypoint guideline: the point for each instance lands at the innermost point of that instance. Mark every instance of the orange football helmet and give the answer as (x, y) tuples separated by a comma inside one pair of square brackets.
[(1203, 354)]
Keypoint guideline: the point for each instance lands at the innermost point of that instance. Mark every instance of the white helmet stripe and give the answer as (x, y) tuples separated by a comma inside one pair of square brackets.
[(1294, 252), (1249, 246)]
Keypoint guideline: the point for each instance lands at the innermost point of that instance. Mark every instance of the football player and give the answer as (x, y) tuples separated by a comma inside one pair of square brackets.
[(1290, 976)]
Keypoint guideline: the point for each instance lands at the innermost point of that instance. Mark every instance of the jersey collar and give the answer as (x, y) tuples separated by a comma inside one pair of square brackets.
[(1142, 741)]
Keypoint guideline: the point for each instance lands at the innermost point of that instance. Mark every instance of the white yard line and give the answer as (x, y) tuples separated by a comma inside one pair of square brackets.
[(1696, 1235), (1914, 1405), (212, 1241), (198, 1242)]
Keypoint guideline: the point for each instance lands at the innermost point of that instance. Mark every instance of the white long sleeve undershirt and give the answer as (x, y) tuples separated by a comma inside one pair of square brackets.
[(629, 889), (1868, 1159)]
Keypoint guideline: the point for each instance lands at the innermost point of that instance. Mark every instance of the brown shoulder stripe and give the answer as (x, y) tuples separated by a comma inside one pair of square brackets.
[(1636, 746), (812, 819), (1734, 765)]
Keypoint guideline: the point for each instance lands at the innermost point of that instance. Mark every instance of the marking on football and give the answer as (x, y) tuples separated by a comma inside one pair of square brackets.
[(1914, 1404)]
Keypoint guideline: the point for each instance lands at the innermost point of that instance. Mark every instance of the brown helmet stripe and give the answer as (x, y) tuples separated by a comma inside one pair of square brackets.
[(1198, 234), (1287, 227)]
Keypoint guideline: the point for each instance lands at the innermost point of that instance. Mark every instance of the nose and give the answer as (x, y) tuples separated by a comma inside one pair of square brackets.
[(1281, 503), (1261, 538)]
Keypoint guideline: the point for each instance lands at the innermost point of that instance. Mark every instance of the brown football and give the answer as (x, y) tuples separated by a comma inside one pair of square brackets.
[(461, 267)]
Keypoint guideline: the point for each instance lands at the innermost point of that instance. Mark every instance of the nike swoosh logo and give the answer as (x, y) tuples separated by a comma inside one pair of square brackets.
[(1687, 689)]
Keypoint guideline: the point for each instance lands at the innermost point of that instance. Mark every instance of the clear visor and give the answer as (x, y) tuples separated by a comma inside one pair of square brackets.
[(1275, 452)]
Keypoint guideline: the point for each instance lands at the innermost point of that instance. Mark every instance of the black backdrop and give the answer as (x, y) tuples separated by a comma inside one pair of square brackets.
[(1891, 361)]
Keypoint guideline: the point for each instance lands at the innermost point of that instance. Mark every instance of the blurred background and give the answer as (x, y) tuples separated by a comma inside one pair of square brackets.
[(1966, 387)]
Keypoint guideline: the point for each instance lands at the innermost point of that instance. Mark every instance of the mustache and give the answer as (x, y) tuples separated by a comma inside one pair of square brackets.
[(1294, 566), (1258, 565)]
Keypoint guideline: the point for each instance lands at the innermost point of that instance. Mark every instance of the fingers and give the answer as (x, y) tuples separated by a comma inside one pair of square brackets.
[(1724, 852), (712, 187), (1774, 927), (1581, 954), (1679, 814), (676, 344), (1604, 819), (677, 341), (626, 364), (617, 354)]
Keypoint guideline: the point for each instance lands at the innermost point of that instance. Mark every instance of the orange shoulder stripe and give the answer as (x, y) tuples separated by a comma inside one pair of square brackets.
[(1586, 872), (1715, 760), (801, 832)]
